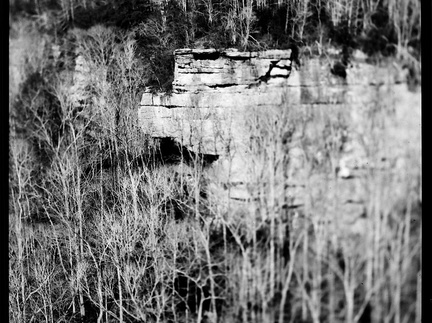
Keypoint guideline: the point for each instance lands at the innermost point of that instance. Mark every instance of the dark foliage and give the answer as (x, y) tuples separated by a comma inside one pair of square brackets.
[(381, 37), (91, 313), (281, 245), (206, 31), (190, 294), (318, 22), (174, 209), (162, 70), (124, 14), (128, 14), (295, 54), (22, 7), (339, 69), (36, 104), (343, 34), (223, 237), (270, 24), (156, 49), (276, 26)]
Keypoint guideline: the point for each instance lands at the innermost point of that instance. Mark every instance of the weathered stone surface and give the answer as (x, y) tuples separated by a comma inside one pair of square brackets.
[(207, 68), (216, 92), (213, 91)]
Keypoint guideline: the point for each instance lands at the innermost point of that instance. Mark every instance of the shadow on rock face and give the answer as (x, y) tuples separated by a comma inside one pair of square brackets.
[(171, 152)]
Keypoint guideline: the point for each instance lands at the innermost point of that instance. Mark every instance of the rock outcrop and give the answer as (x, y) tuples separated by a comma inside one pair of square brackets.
[(212, 93), (216, 92)]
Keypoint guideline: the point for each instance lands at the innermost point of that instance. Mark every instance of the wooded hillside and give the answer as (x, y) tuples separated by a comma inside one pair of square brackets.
[(107, 224)]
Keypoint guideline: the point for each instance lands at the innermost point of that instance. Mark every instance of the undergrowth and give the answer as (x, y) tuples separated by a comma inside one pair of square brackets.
[(102, 229)]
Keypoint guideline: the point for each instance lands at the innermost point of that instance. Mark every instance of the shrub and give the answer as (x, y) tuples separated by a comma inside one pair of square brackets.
[(380, 36)]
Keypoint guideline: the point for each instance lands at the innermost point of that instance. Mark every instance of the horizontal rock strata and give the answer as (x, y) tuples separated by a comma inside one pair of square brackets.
[(214, 90), (216, 95)]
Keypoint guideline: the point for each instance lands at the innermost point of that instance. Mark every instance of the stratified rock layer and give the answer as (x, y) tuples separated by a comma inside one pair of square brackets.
[(216, 94), (214, 91)]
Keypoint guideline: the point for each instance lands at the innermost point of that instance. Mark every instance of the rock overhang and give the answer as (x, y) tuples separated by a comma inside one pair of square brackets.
[(214, 92), (214, 89)]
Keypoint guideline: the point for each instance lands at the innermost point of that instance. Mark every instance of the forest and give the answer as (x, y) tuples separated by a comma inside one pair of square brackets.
[(103, 227)]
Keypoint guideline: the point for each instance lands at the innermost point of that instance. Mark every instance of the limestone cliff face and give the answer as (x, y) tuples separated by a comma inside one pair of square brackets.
[(215, 93), (214, 90)]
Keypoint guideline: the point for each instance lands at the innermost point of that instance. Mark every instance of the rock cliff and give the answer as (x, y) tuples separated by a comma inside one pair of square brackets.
[(214, 90), (215, 94)]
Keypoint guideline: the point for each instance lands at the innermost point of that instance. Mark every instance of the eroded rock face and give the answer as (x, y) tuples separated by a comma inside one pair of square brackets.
[(211, 69), (216, 94), (214, 90)]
